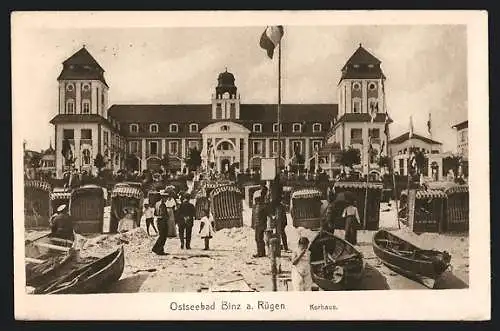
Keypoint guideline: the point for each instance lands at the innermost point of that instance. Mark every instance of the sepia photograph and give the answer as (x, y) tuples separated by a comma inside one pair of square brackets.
[(197, 157)]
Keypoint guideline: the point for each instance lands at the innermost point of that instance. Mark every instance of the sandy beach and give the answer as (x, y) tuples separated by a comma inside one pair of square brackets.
[(231, 258)]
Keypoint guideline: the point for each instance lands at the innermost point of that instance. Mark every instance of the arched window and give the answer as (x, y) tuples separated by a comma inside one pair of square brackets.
[(70, 87), (193, 127), (174, 128), (153, 128), (134, 128), (317, 127), (85, 106), (297, 127), (356, 105), (70, 106)]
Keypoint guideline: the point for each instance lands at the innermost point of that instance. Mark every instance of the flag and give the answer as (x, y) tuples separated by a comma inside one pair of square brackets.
[(382, 148), (270, 38), (429, 125), (386, 125), (410, 133), (66, 150), (373, 110)]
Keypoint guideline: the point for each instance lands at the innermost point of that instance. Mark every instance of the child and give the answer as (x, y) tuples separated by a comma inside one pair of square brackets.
[(149, 217), (301, 270), (206, 228)]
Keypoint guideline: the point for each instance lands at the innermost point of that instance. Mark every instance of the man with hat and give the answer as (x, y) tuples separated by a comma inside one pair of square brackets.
[(62, 223), (185, 219), (161, 213)]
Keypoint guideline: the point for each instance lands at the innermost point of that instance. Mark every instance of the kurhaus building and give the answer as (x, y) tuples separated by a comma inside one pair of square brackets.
[(225, 130)]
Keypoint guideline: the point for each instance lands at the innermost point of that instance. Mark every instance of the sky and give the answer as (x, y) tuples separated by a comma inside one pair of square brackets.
[(425, 66)]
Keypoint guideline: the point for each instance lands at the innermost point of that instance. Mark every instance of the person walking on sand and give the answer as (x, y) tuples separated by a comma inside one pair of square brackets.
[(149, 217), (259, 219), (352, 222), (301, 269), (162, 219), (186, 214), (281, 221), (206, 228)]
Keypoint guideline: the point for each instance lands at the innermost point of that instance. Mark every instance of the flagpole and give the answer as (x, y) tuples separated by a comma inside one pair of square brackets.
[(367, 175), (279, 110)]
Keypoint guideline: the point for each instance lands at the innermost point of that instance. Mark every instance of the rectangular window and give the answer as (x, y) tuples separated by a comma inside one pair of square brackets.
[(275, 127), (68, 134), (257, 147), (374, 133), (463, 136), (86, 107), (106, 138), (356, 106), (297, 147), (357, 134), (86, 134), (275, 146), (401, 166), (193, 144), (134, 147), (70, 107), (153, 147), (297, 127), (172, 147), (317, 145), (257, 127)]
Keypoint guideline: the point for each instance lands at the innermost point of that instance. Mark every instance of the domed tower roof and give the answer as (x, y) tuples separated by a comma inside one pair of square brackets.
[(225, 83)]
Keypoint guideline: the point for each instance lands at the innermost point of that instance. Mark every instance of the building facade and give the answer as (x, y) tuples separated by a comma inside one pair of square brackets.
[(462, 139), (401, 147), (225, 130)]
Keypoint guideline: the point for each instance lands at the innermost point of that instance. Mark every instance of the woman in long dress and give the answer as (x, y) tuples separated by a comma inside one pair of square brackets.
[(171, 205), (352, 222)]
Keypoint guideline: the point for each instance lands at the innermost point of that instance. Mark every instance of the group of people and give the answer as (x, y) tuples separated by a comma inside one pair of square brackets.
[(170, 213), (345, 210)]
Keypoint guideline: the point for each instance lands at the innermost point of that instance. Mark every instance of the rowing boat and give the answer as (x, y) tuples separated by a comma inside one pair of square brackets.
[(422, 265), (45, 257), (91, 278), (335, 263)]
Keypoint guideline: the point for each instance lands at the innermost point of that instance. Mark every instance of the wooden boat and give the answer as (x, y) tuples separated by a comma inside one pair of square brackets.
[(335, 263), (422, 265), (45, 257), (91, 278)]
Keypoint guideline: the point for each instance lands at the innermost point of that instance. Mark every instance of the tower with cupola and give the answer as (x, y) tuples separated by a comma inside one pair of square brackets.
[(226, 100), (82, 129), (361, 110)]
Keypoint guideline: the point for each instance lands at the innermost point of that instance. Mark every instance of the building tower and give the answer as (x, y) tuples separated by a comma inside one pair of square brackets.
[(361, 109), (226, 100), (81, 125)]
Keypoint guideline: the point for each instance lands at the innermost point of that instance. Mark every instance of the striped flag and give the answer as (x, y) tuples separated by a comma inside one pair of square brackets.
[(429, 125), (386, 125), (271, 38), (373, 110)]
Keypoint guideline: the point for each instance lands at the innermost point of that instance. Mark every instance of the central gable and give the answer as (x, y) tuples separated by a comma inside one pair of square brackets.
[(224, 127)]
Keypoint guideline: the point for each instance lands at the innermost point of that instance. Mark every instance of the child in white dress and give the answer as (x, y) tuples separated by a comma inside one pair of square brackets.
[(206, 228), (301, 269)]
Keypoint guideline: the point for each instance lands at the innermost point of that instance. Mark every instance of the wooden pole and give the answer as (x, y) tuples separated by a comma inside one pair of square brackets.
[(274, 265)]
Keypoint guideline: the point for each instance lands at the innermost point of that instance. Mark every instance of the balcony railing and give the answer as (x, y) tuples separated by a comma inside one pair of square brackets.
[(375, 141), (85, 142), (357, 141)]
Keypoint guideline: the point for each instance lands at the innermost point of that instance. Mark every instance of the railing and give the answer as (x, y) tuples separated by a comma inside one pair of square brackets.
[(357, 141), (85, 141), (375, 140)]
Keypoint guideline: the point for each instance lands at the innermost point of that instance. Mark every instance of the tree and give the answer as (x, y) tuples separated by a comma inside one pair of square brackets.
[(350, 157), (131, 162), (193, 161), (164, 162), (99, 162), (451, 163)]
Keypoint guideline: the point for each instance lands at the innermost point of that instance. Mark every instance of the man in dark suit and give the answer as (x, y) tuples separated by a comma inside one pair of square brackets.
[(186, 213), (162, 214), (260, 212)]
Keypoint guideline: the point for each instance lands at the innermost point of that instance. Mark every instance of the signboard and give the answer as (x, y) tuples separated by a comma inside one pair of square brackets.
[(268, 168)]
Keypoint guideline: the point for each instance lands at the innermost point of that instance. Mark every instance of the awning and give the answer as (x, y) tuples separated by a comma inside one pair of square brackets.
[(358, 185), (60, 195), (457, 189), (127, 191), (225, 188), (430, 194), (307, 194), (38, 184)]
